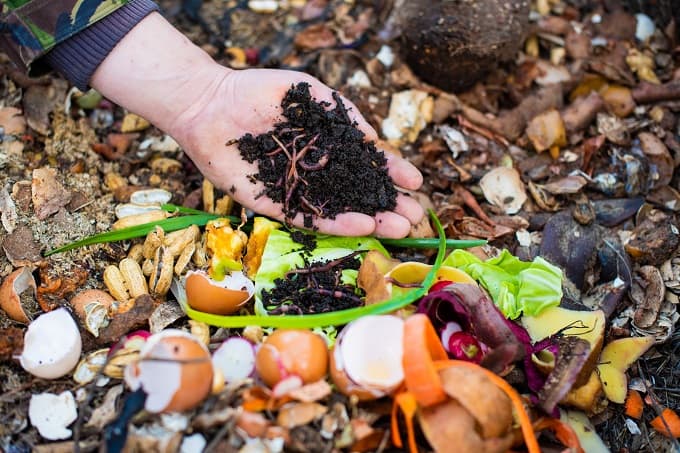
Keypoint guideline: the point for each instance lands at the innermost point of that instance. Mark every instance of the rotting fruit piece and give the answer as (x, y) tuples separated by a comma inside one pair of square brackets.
[(616, 357), (587, 325), (226, 247)]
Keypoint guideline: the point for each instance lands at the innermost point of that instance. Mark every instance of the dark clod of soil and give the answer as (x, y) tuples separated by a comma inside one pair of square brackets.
[(314, 288), (307, 241), (454, 44), (317, 162)]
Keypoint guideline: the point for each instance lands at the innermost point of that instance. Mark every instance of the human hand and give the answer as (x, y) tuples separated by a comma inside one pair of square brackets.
[(248, 101), (156, 72)]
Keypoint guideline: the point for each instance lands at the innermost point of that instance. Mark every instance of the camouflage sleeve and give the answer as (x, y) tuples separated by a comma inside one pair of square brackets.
[(30, 28)]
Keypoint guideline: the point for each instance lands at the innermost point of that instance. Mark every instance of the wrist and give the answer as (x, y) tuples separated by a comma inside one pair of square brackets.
[(157, 73)]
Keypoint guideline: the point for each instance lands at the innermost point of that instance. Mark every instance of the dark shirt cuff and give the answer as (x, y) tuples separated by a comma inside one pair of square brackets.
[(79, 56)]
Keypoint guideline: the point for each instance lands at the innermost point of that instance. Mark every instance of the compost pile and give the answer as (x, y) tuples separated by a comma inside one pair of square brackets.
[(318, 162), (564, 159)]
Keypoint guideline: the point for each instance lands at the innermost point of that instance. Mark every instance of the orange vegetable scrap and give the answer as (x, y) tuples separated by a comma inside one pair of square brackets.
[(563, 432), (634, 404), (668, 423), (424, 355)]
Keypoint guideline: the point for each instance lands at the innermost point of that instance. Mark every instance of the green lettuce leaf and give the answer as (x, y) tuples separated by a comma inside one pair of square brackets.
[(282, 254), (517, 287)]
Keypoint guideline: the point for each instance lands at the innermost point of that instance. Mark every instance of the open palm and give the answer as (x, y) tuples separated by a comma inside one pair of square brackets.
[(248, 101)]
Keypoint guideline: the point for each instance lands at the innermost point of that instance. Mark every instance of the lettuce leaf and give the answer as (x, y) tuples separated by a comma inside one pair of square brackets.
[(517, 287), (282, 254)]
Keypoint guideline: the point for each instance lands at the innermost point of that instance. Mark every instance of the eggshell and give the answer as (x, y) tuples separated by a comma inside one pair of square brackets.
[(12, 287), (345, 385), (92, 307), (174, 370), (51, 414), (220, 298), (380, 365), (52, 345), (292, 352)]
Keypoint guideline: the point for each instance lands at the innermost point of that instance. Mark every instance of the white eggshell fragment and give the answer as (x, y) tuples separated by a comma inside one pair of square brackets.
[(380, 364), (52, 345), (51, 414), (503, 187), (644, 27), (235, 358)]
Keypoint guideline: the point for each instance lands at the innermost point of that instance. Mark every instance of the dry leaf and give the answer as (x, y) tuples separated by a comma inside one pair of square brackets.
[(372, 276), (298, 414), (47, 193), (317, 36), (12, 121), (619, 100)]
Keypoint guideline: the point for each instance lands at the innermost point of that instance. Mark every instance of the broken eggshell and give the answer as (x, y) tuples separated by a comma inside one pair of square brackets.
[(51, 414), (235, 358), (503, 187), (92, 307), (292, 353), (175, 371), (218, 297), (11, 291), (52, 345), (369, 372)]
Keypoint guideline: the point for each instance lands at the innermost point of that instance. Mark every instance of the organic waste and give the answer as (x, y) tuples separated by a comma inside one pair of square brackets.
[(318, 162), (142, 309)]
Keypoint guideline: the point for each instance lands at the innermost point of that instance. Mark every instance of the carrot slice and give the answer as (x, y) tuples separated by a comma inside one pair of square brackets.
[(634, 404), (422, 347), (408, 405), (563, 432), (668, 423)]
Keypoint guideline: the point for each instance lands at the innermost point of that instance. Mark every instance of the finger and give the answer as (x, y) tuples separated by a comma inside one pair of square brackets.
[(410, 208), (346, 224), (391, 225), (404, 173)]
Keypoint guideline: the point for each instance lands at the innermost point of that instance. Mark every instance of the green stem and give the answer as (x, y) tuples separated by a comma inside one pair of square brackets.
[(171, 224)]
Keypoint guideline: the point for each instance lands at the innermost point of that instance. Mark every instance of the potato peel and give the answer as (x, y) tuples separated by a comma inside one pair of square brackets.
[(481, 398)]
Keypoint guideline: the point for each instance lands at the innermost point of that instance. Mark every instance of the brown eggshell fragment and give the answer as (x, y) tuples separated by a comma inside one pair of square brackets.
[(209, 296), (92, 307), (11, 290), (174, 370), (289, 352), (490, 407)]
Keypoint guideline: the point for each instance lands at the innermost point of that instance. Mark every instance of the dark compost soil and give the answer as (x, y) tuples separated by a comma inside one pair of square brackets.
[(318, 162), (314, 288)]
